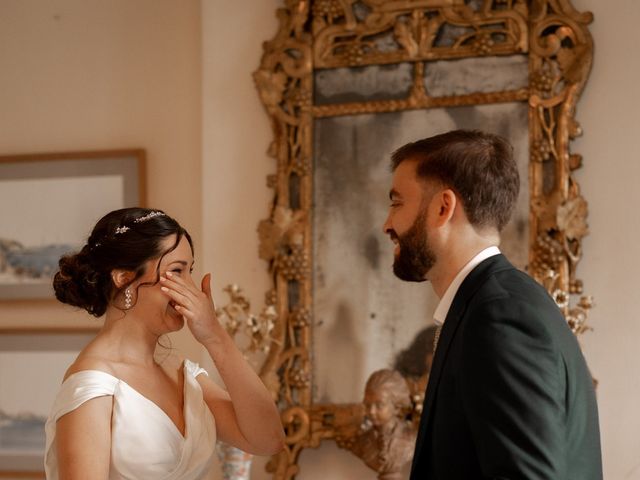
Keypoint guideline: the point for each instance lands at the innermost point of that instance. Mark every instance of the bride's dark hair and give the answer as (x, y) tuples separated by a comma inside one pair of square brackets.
[(123, 239)]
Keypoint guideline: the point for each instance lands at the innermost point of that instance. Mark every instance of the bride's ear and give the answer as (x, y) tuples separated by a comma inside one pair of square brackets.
[(121, 277)]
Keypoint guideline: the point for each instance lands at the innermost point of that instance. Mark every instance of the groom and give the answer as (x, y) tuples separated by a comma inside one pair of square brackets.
[(509, 395)]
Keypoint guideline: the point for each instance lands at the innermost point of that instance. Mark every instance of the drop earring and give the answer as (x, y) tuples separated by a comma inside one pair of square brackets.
[(127, 298)]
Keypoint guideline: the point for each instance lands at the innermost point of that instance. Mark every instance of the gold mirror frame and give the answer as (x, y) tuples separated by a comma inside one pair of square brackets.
[(327, 34)]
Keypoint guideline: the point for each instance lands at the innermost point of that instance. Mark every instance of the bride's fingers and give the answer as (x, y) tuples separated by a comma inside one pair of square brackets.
[(185, 282), (206, 285), (179, 298), (185, 312), (172, 283)]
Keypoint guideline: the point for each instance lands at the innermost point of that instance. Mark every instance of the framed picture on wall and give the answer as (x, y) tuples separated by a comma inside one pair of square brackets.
[(47, 204), (31, 370)]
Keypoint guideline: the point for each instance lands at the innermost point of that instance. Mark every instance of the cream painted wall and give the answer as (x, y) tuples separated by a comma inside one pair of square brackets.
[(236, 135), (608, 113), (94, 75)]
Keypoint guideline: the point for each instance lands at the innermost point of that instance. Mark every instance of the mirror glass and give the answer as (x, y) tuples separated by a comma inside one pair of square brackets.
[(364, 316)]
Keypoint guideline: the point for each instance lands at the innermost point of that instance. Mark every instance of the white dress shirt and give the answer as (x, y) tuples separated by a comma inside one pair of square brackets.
[(445, 302)]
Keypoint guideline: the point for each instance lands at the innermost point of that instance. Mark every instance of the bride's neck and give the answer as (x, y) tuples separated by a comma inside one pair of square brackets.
[(128, 338)]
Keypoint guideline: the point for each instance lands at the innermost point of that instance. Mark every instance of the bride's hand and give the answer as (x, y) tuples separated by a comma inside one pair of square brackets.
[(195, 305)]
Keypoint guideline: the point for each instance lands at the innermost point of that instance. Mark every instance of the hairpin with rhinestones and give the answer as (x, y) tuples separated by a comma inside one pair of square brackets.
[(149, 216), (124, 228)]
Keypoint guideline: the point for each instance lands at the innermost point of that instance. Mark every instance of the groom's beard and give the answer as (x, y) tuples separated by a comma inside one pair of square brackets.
[(415, 258)]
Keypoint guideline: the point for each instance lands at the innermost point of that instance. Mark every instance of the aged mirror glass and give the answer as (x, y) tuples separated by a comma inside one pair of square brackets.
[(364, 316), (345, 82)]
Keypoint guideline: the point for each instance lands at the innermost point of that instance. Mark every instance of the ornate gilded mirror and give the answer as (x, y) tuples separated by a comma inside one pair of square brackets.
[(345, 82)]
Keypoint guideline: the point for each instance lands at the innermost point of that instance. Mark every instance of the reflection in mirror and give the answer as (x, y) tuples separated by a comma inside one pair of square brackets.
[(364, 315)]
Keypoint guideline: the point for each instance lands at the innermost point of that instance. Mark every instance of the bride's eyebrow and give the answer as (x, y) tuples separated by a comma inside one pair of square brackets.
[(182, 262)]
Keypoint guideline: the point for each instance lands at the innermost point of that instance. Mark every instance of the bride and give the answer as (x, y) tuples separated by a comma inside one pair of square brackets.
[(125, 412)]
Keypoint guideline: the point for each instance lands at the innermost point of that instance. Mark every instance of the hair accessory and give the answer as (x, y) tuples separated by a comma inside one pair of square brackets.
[(149, 216), (127, 298)]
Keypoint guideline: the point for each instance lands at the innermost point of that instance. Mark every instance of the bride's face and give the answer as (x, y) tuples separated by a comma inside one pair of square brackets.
[(152, 306)]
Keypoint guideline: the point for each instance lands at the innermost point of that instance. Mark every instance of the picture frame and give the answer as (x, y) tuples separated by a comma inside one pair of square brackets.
[(47, 203), (27, 394)]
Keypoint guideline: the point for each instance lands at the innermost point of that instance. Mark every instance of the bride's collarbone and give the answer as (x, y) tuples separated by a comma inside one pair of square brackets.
[(164, 389)]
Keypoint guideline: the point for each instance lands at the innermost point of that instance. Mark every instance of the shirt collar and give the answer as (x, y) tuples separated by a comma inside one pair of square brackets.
[(447, 299)]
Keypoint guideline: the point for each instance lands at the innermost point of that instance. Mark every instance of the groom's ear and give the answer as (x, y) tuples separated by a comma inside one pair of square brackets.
[(442, 206)]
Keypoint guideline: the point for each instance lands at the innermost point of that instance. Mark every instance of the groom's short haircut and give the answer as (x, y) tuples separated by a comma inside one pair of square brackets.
[(478, 166)]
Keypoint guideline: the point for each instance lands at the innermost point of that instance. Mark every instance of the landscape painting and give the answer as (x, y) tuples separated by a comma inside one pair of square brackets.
[(49, 202)]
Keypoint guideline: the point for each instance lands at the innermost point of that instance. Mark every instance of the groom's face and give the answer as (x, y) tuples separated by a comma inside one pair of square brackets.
[(406, 225)]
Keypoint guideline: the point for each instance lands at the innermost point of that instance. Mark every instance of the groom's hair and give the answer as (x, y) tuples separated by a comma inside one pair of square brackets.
[(478, 166)]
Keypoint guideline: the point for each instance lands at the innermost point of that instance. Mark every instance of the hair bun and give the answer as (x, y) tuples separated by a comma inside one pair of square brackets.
[(79, 284)]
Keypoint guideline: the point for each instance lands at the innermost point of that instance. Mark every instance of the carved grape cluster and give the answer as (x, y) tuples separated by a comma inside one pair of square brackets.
[(300, 317), (293, 265), (353, 54), (331, 9), (540, 151), (548, 254), (298, 378), (301, 166), (543, 80), (483, 44), (299, 96)]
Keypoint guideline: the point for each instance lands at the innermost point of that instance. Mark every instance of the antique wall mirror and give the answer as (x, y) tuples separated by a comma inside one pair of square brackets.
[(345, 82)]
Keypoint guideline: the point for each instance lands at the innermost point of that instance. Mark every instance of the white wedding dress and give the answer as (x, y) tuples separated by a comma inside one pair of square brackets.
[(145, 443)]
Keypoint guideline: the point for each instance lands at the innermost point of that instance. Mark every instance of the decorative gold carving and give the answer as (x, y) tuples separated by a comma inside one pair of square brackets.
[(374, 32), (559, 65), (419, 102), (351, 33), (252, 333)]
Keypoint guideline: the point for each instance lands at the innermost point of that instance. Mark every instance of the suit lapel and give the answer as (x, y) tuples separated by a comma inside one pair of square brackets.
[(474, 280)]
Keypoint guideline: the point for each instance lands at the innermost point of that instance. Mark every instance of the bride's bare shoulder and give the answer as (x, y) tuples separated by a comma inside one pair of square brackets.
[(90, 358)]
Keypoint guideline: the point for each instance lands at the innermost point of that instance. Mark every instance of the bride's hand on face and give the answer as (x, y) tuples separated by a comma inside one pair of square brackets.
[(194, 304)]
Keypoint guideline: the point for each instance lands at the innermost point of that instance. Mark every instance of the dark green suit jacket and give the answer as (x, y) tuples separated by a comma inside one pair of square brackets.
[(510, 395)]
